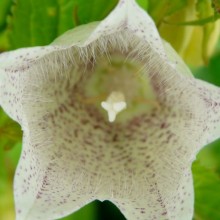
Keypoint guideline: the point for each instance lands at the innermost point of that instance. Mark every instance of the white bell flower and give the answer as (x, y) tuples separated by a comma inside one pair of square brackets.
[(109, 112)]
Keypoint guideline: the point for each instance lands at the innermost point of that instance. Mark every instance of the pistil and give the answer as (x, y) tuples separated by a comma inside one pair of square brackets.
[(114, 104)]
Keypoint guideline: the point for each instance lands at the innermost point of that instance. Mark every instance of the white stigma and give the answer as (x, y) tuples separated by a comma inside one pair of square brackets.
[(114, 104)]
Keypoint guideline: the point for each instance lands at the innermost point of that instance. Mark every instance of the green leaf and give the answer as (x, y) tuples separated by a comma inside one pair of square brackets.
[(211, 72), (160, 9), (10, 132), (216, 5), (66, 15), (87, 11), (109, 211), (10, 147), (40, 22), (77, 12), (143, 3), (44, 20), (33, 23), (4, 11), (199, 22), (8, 163), (207, 192), (205, 15), (5, 6), (203, 8), (88, 212), (4, 42), (10, 139)]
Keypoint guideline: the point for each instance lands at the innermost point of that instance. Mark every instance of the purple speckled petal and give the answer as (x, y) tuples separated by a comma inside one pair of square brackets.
[(45, 187), (154, 195), (18, 65), (12, 66), (210, 111), (72, 155), (76, 156), (128, 15)]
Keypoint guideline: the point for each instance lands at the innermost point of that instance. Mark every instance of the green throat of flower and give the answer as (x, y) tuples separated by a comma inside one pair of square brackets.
[(119, 86)]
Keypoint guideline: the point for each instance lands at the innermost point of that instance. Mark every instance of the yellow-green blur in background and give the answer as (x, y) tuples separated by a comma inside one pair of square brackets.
[(191, 26)]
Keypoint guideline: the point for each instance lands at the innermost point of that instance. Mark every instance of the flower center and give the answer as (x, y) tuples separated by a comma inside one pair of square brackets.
[(114, 104), (120, 86)]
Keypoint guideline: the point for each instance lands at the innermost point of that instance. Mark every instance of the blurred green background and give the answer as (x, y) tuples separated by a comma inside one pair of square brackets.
[(25, 23)]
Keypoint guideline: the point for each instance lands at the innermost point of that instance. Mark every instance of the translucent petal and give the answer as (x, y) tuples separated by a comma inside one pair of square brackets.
[(176, 61), (158, 198), (210, 111), (12, 66), (18, 66), (202, 99), (45, 188)]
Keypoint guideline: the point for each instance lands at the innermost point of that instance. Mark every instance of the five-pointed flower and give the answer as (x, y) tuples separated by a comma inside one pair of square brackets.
[(109, 112)]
